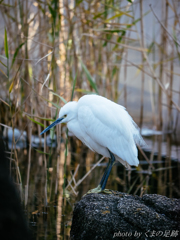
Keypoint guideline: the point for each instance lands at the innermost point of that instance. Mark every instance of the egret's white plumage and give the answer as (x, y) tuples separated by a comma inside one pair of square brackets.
[(105, 127), (102, 124)]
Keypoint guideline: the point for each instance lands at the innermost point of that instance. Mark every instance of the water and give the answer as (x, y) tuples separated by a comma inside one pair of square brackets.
[(50, 214)]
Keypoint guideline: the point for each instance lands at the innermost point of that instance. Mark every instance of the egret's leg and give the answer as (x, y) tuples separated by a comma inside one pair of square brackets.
[(105, 178), (102, 185), (104, 175), (99, 187)]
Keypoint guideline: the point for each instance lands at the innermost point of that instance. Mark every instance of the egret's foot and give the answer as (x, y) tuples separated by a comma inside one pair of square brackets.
[(94, 190), (107, 191), (99, 190)]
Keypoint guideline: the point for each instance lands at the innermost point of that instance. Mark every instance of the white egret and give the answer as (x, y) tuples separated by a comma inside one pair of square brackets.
[(105, 127)]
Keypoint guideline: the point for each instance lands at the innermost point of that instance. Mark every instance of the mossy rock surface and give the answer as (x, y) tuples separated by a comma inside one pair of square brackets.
[(122, 216)]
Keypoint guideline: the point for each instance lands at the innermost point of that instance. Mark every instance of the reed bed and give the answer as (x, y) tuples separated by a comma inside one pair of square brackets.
[(55, 51)]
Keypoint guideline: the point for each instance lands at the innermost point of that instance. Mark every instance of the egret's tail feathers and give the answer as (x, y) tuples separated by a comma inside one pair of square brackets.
[(124, 163), (137, 136)]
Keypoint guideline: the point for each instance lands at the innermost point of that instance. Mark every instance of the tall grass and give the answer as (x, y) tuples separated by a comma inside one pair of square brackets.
[(54, 51)]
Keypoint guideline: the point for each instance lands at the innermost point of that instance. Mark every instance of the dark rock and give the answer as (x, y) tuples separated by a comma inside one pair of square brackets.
[(122, 216), (13, 224)]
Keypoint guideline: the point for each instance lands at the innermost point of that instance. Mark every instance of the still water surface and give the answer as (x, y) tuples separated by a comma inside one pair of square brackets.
[(50, 211)]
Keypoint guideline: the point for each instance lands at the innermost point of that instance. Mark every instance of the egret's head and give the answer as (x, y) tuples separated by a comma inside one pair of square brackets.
[(66, 114)]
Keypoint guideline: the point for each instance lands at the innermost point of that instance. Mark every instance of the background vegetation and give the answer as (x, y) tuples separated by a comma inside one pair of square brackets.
[(52, 51)]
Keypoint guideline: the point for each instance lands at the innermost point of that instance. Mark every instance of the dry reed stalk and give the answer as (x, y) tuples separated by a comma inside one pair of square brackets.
[(29, 161), (159, 120), (142, 57), (140, 185), (119, 44), (125, 80), (164, 65), (160, 189), (73, 176), (169, 138), (165, 26), (45, 163), (168, 166), (60, 190)]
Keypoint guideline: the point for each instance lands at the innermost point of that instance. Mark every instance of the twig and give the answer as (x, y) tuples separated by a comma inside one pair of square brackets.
[(69, 184), (119, 44), (82, 179), (144, 155), (142, 73), (159, 82), (73, 177), (163, 25), (30, 38)]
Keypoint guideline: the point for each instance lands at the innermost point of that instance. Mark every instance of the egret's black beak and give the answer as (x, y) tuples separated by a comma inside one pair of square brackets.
[(52, 125)]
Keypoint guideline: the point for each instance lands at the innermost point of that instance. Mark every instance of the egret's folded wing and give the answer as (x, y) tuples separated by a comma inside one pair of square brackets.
[(103, 126), (114, 115)]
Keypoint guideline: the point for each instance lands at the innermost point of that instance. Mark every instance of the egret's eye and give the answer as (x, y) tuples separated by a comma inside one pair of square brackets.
[(65, 115)]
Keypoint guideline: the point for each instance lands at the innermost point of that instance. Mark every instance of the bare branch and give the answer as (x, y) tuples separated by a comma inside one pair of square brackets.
[(163, 25)]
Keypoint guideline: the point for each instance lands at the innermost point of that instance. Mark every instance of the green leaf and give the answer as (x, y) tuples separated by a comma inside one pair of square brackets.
[(16, 52), (3, 64), (4, 4), (85, 91), (58, 96), (89, 77), (114, 31), (54, 104), (3, 57), (137, 20), (3, 73), (42, 9), (108, 37), (53, 11), (122, 35), (175, 37), (11, 86), (114, 71), (6, 44), (78, 2), (14, 80), (150, 47), (98, 15), (118, 15), (46, 119), (34, 121), (63, 99), (41, 151)]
